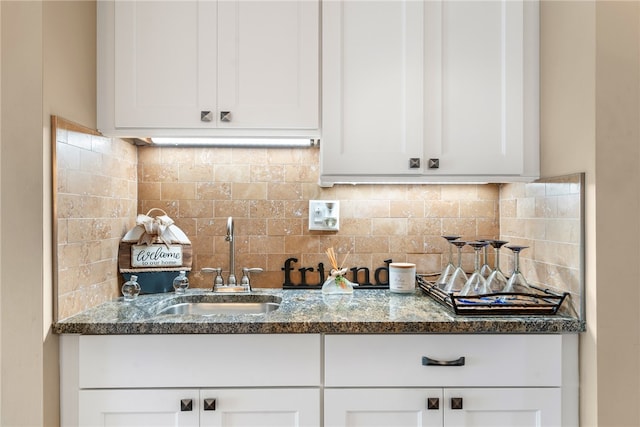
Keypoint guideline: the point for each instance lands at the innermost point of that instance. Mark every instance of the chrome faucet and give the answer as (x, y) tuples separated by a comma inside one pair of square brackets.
[(232, 257), (232, 284)]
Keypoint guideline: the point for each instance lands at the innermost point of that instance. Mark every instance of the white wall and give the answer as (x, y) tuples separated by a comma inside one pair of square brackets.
[(590, 97), (47, 66)]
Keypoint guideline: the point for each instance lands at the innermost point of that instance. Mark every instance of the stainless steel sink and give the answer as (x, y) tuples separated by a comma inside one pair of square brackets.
[(209, 305)]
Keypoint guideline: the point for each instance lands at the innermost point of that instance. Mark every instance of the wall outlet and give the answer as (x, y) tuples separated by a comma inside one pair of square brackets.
[(324, 215)]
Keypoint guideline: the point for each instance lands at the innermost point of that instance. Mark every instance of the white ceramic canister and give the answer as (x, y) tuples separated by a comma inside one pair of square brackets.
[(402, 277)]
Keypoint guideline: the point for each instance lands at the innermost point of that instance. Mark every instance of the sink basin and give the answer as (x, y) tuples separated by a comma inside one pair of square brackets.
[(209, 305)]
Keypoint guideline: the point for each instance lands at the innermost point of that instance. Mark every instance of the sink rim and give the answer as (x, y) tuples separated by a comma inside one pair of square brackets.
[(206, 305)]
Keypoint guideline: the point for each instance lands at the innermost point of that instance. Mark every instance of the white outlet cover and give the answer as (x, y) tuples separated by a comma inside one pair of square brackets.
[(324, 215)]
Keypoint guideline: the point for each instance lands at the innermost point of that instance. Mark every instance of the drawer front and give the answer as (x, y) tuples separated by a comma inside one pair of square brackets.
[(146, 361), (398, 360)]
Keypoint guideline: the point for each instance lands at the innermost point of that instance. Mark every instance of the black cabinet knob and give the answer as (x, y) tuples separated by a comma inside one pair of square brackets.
[(456, 403), (433, 403), (186, 405), (210, 404)]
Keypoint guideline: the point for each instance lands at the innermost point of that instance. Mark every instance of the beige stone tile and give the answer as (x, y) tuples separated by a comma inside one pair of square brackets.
[(407, 209), (563, 230), (459, 192), (406, 244), (160, 173), (267, 244), (231, 173), (266, 209), (249, 191), (569, 206), (301, 244), (373, 244), (269, 173), (297, 209), (424, 226), (213, 191), (508, 208), (147, 155), (424, 192), (367, 209), (195, 209), (526, 207), (301, 173), (211, 155), (535, 229), (250, 156), (196, 173), (234, 208), (478, 209), (488, 228), (149, 190), (178, 191), (488, 192), (284, 191), (389, 226), (442, 208), (284, 227), (546, 207), (177, 155), (464, 227)]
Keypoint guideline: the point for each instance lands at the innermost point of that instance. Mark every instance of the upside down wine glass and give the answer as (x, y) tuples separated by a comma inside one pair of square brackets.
[(497, 281), (459, 278), (450, 267), (486, 269), (477, 284), (517, 282)]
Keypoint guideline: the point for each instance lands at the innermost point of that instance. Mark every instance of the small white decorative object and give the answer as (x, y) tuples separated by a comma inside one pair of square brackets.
[(337, 283)]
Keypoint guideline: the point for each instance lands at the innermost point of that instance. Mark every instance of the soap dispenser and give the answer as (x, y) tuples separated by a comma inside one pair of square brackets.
[(131, 288), (181, 282)]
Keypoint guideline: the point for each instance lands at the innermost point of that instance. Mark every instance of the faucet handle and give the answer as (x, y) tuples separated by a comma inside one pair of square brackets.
[(245, 274), (218, 279)]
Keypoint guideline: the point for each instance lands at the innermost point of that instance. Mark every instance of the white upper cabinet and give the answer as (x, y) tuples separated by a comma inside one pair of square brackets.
[(206, 68), (372, 87), (434, 91)]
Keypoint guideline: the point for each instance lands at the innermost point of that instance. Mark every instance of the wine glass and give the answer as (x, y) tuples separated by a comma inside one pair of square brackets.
[(517, 282), (477, 284), (485, 269), (450, 267), (497, 281), (459, 278)]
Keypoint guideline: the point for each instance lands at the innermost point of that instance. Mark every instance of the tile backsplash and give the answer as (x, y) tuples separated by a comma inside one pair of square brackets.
[(267, 191), (103, 183), (95, 204)]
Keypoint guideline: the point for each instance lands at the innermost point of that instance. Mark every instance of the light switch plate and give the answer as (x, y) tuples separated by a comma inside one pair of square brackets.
[(324, 215)]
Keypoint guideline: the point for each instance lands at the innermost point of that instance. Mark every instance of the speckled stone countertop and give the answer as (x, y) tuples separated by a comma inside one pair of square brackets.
[(305, 311)]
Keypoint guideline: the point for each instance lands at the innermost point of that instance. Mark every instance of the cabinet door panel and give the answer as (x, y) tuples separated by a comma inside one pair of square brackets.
[(268, 70), (137, 408), (474, 87), (381, 408), (164, 60), (524, 407), (262, 408), (372, 87)]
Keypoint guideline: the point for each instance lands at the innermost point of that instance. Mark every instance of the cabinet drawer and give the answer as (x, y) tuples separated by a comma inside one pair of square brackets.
[(397, 360), (147, 361)]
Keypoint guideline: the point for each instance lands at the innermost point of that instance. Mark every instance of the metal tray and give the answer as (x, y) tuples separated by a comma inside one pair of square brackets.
[(544, 302)]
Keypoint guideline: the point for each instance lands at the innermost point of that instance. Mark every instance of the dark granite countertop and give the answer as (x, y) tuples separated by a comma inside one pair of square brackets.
[(307, 311)]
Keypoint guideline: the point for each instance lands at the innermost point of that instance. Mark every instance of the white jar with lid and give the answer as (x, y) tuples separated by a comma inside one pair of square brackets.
[(402, 277)]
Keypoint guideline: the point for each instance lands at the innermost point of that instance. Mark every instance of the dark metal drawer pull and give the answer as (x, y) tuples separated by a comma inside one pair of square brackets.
[(209, 404), (433, 403), (456, 403), (426, 361), (186, 405)]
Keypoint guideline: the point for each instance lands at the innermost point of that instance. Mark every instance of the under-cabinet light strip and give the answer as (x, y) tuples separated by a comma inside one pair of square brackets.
[(238, 142)]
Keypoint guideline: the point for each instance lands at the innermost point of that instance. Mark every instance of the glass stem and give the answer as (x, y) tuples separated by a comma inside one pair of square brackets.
[(497, 258), (450, 254), (516, 262), (476, 261)]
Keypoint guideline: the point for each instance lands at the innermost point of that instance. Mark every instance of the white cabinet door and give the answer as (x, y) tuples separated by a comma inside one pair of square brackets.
[(164, 63), (138, 408), (268, 63), (262, 408), (506, 407), (197, 67), (372, 53), (451, 83), (474, 87), (383, 407)]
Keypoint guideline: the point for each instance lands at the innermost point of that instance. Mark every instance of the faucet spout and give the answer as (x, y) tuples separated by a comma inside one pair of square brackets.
[(232, 260)]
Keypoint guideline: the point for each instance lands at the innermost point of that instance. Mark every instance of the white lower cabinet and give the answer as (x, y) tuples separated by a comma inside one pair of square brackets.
[(204, 407), (316, 380), (472, 407)]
